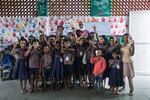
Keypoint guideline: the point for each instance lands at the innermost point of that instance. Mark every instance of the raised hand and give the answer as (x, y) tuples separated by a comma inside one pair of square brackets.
[(30, 47), (94, 28)]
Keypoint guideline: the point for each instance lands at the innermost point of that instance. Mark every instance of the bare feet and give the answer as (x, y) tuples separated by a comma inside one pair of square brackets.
[(21, 91), (130, 93), (31, 90)]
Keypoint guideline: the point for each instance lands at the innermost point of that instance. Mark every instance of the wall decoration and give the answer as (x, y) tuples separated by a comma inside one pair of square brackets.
[(100, 7)]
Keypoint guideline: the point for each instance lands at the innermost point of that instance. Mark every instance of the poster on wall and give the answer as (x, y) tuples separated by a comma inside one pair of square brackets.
[(42, 7), (15, 27), (100, 7), (103, 28)]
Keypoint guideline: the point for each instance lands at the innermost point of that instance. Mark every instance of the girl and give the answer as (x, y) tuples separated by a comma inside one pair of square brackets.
[(127, 50), (116, 72), (99, 68), (57, 69), (108, 56), (89, 65), (20, 70), (34, 64), (103, 45), (79, 50), (46, 64), (68, 58), (43, 41), (110, 48), (118, 44)]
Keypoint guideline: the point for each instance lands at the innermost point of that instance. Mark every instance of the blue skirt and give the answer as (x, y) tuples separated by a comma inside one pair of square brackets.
[(57, 69), (20, 70), (115, 77)]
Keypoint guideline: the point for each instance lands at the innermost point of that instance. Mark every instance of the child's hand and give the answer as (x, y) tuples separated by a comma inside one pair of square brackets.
[(96, 75), (100, 74), (73, 28), (42, 33), (15, 45), (132, 42), (94, 28), (111, 61), (30, 47)]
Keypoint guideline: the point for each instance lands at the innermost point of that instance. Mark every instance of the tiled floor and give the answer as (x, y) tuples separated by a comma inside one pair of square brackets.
[(9, 90)]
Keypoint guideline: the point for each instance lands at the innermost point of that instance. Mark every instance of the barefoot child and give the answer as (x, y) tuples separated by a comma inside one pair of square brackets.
[(34, 64), (46, 64), (20, 70), (116, 72)]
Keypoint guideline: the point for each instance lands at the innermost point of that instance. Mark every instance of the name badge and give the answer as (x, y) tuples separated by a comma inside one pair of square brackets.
[(67, 58), (81, 53), (118, 67), (61, 60)]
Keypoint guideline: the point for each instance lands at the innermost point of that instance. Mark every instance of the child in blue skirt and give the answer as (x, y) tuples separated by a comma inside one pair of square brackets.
[(20, 70), (116, 72), (57, 68)]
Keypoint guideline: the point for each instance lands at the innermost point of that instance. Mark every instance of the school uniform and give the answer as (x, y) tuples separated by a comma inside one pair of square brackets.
[(20, 70), (79, 51), (116, 73), (89, 65), (108, 56), (57, 68), (47, 64), (68, 58), (34, 62)]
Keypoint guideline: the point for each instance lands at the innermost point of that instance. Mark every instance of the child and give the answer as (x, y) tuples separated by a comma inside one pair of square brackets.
[(68, 58), (20, 70), (89, 65), (79, 49), (103, 45), (110, 48), (118, 44), (57, 69), (99, 67), (46, 64), (116, 72), (31, 39), (34, 64), (127, 50), (108, 56), (59, 30)]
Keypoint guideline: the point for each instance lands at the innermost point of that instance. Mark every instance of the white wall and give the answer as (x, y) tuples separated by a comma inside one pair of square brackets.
[(139, 29)]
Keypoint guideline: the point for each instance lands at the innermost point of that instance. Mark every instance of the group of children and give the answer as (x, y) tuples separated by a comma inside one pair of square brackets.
[(66, 61)]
